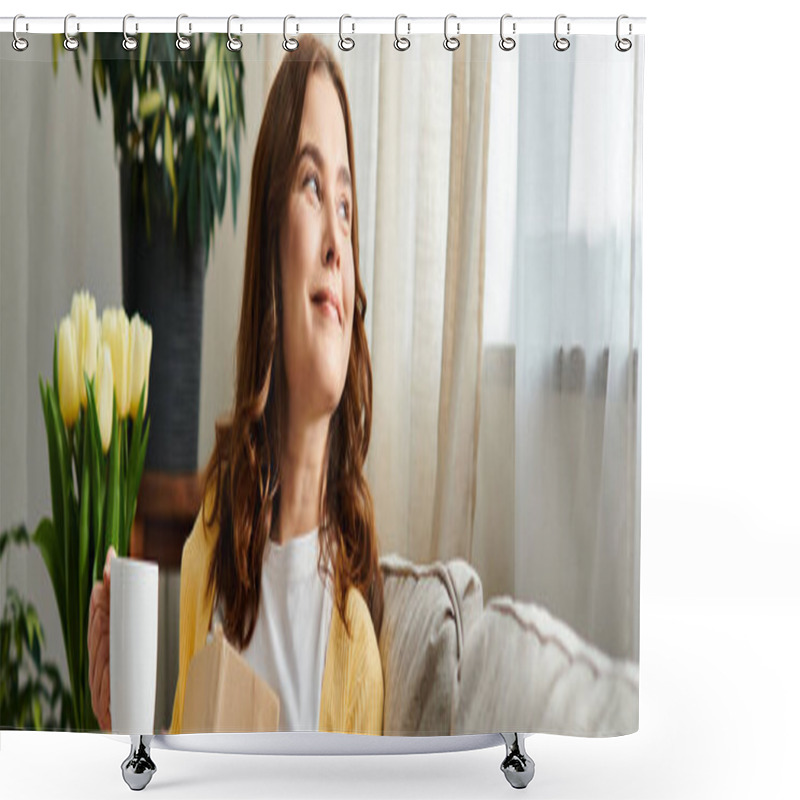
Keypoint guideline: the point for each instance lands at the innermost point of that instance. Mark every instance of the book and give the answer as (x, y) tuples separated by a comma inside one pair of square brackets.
[(224, 694)]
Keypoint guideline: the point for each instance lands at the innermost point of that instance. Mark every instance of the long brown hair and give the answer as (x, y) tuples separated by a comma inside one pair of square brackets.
[(243, 471)]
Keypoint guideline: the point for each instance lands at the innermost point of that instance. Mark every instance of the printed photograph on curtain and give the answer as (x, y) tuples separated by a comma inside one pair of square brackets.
[(320, 385)]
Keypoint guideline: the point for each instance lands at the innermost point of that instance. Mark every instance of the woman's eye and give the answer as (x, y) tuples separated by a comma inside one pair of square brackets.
[(344, 207), (313, 179)]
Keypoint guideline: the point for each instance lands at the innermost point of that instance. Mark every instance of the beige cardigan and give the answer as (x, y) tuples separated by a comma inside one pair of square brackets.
[(352, 680)]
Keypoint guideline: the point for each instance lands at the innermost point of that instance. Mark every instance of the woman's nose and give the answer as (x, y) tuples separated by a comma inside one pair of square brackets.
[(330, 246)]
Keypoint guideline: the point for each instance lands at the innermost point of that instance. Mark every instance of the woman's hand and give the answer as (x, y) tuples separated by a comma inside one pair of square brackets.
[(99, 645)]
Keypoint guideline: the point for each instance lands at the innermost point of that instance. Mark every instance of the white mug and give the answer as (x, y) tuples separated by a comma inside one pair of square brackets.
[(133, 645)]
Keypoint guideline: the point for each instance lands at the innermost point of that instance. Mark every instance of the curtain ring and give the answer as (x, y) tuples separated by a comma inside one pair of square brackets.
[(623, 45), (182, 43), (507, 42), (561, 43), (401, 43), (70, 42), (18, 43), (234, 44), (345, 42), (289, 43), (128, 42), (451, 42)]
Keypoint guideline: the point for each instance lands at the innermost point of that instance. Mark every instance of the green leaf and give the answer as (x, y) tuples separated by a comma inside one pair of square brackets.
[(210, 73), (46, 540), (83, 547), (65, 468), (55, 363), (35, 636), (223, 105), (97, 70), (168, 153), (111, 524), (121, 487), (143, 45), (154, 130), (52, 452), (149, 103), (132, 485), (37, 712), (96, 458), (17, 535)]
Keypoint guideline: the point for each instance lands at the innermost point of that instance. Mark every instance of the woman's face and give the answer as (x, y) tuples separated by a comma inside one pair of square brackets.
[(316, 258)]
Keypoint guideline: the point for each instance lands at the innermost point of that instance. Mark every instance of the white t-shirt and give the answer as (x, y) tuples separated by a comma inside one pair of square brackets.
[(290, 640)]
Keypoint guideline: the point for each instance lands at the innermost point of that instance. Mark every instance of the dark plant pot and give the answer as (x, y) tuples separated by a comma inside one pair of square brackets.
[(163, 280)]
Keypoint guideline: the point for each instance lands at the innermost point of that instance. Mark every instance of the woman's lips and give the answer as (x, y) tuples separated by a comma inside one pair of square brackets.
[(328, 303), (327, 308)]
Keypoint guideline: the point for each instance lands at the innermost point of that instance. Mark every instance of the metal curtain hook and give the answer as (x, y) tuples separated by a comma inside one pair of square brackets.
[(289, 43), (128, 42), (345, 42), (18, 43), (401, 42), (234, 44), (507, 42), (561, 43), (70, 42), (623, 45), (182, 43), (451, 42)]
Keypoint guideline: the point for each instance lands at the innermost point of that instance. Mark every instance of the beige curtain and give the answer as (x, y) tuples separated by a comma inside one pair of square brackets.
[(462, 325), (425, 149)]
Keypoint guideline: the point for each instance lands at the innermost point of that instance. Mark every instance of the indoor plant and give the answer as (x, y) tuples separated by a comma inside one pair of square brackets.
[(178, 118), (94, 414), (32, 694)]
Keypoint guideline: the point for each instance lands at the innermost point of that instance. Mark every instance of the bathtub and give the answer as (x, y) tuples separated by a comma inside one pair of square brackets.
[(139, 766)]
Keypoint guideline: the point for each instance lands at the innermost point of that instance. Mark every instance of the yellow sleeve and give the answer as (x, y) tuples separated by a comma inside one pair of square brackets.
[(365, 690), (195, 606), (188, 605)]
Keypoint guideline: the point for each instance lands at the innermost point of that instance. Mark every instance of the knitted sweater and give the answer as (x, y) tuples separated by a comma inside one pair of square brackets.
[(352, 681)]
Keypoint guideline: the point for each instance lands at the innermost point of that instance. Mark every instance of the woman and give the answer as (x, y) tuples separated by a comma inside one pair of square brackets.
[(284, 487)]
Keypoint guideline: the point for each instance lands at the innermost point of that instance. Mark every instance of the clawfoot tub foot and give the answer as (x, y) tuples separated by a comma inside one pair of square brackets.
[(517, 766), (138, 768)]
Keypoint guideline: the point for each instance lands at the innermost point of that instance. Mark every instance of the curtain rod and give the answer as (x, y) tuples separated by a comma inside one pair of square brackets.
[(631, 26)]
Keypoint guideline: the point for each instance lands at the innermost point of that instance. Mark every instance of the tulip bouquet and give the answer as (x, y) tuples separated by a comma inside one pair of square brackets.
[(96, 441)]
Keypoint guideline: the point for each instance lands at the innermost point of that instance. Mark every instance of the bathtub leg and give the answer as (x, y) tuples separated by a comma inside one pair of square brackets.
[(138, 768), (518, 766)]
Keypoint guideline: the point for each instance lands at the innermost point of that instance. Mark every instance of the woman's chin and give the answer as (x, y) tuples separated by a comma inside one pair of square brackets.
[(328, 394)]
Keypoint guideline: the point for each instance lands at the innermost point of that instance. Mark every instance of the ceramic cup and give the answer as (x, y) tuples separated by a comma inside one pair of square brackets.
[(133, 645)]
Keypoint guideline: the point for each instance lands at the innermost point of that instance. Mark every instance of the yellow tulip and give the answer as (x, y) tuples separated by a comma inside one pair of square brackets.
[(85, 326), (115, 332), (105, 394), (68, 393), (141, 349)]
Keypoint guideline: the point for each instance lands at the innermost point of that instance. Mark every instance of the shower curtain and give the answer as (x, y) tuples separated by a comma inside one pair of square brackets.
[(498, 244)]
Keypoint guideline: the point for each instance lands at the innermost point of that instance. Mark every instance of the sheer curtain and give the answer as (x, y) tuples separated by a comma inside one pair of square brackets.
[(576, 331), (421, 128), (499, 207)]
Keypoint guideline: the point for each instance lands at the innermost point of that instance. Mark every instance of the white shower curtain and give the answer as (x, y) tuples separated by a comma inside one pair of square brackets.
[(511, 444)]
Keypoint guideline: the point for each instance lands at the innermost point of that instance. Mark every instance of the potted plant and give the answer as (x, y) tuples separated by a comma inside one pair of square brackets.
[(178, 118)]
